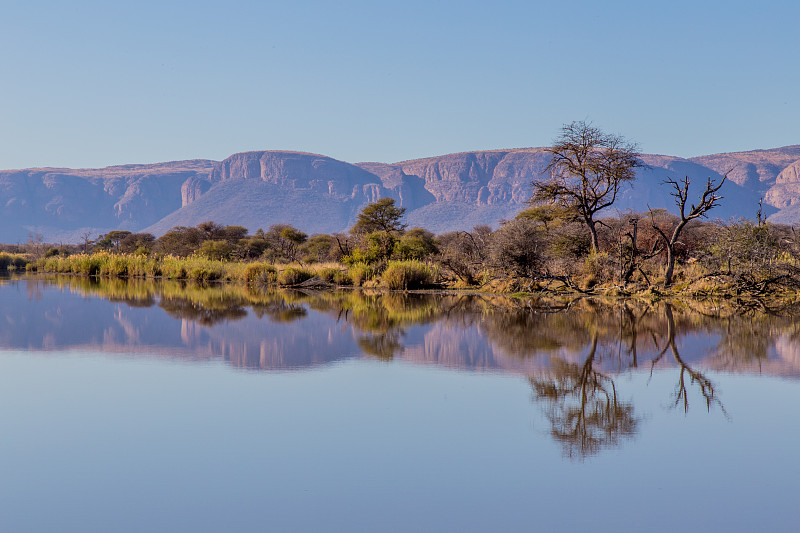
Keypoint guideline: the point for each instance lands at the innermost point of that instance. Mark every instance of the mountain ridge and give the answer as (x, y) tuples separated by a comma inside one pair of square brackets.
[(318, 193)]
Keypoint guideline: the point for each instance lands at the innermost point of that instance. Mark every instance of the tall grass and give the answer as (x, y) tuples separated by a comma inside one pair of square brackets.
[(404, 275), (194, 268)]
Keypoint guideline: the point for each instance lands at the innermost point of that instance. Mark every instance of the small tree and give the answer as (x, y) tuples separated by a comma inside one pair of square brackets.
[(708, 200), (587, 168), (382, 215)]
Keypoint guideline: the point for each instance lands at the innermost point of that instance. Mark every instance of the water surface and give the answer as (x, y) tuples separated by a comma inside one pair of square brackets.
[(133, 406)]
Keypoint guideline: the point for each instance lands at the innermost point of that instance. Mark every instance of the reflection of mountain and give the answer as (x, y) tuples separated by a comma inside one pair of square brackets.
[(285, 330)]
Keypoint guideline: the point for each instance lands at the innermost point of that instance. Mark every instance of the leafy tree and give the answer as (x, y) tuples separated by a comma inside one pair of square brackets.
[(320, 248), (137, 242), (112, 239), (587, 168), (416, 243), (285, 241), (382, 215), (180, 241), (218, 250)]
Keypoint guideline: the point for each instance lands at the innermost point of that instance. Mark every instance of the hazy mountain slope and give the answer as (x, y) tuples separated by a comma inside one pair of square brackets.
[(62, 203), (755, 169), (320, 194)]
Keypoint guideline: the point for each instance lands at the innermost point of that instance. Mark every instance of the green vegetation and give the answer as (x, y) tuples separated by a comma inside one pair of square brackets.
[(405, 275), (558, 245), (12, 261)]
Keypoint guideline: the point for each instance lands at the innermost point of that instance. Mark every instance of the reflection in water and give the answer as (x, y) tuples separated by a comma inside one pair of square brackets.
[(698, 378), (571, 352), (582, 406)]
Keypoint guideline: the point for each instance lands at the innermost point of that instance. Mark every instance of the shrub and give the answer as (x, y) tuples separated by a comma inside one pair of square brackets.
[(361, 272), (202, 274), (294, 276), (5, 261), (215, 250), (342, 277), (328, 274), (260, 273), (403, 275)]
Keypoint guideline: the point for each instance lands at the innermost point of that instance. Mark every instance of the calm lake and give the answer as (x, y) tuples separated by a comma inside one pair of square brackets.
[(147, 406)]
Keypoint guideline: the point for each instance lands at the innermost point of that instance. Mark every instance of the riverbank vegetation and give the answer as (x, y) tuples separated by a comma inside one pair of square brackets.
[(561, 243)]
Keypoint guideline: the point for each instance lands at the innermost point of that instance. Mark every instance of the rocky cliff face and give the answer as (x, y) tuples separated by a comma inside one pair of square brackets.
[(320, 194), (61, 203)]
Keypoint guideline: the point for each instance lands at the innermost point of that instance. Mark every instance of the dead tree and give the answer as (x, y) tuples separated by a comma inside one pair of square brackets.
[(708, 200)]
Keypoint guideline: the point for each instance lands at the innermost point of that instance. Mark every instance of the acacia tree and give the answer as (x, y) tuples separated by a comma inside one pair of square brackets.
[(587, 168), (382, 215), (377, 226), (709, 199)]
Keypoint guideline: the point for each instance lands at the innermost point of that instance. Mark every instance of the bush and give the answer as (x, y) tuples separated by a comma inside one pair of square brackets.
[(404, 275), (215, 250), (342, 277), (328, 274), (5, 261), (361, 272), (202, 274), (294, 276), (261, 273)]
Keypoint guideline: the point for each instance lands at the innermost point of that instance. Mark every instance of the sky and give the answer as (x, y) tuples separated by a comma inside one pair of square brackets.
[(90, 84)]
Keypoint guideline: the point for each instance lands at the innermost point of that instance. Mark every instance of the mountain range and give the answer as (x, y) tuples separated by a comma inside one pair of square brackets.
[(319, 194)]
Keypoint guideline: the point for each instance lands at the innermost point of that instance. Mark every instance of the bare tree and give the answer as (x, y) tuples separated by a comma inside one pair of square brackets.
[(587, 168), (708, 200), (86, 238)]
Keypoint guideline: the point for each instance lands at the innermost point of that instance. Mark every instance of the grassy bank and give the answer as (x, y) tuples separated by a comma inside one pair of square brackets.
[(399, 275)]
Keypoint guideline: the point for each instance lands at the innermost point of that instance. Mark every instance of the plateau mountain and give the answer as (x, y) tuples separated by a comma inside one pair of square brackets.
[(320, 194)]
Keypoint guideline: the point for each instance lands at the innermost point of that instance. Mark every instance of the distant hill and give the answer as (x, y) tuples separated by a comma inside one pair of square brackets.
[(320, 194)]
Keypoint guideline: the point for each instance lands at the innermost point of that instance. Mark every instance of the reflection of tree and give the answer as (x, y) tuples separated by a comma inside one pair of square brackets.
[(696, 377), (583, 409), (144, 301), (203, 314), (382, 345), (280, 311)]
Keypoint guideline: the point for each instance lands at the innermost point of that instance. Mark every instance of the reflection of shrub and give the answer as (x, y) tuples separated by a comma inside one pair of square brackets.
[(402, 275), (294, 276), (261, 273)]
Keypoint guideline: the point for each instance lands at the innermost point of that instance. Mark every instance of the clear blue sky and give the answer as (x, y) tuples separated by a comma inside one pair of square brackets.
[(96, 83)]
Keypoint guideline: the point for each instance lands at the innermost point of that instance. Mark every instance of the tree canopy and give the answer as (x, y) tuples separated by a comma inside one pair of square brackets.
[(382, 215), (587, 167)]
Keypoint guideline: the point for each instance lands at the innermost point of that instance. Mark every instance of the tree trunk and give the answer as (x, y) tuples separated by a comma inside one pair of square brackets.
[(593, 232), (670, 265)]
